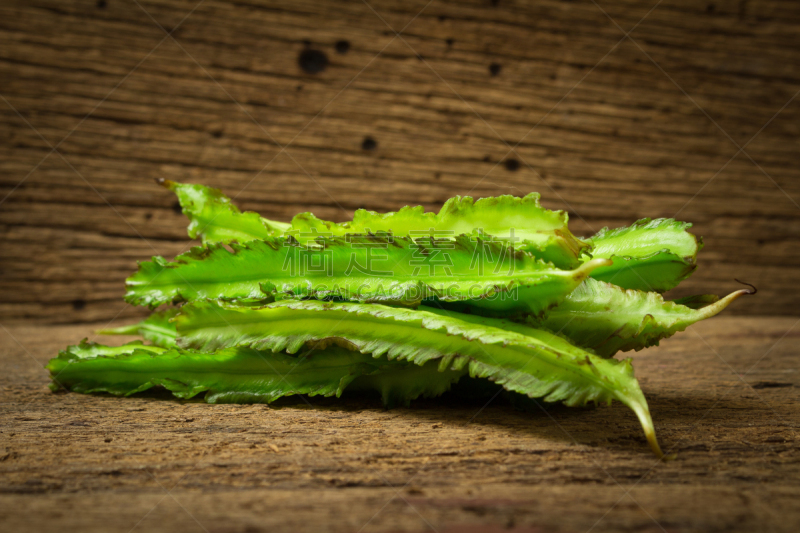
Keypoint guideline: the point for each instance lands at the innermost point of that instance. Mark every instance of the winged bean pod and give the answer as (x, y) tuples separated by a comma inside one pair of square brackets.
[(521, 222), (607, 318), (367, 268), (649, 255), (156, 328), (213, 218), (242, 375), (540, 364)]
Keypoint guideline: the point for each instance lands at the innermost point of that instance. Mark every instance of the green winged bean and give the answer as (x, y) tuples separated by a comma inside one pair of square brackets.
[(607, 319), (488, 276), (242, 375), (538, 364), (156, 328), (520, 222), (649, 255)]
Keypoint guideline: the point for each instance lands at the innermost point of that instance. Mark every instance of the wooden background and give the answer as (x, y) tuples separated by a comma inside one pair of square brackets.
[(473, 97)]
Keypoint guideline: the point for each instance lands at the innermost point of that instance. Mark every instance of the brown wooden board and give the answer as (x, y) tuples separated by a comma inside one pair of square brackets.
[(724, 397), (474, 97)]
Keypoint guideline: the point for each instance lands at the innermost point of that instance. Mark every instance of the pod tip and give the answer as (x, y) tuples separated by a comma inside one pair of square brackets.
[(167, 184), (753, 289), (650, 434)]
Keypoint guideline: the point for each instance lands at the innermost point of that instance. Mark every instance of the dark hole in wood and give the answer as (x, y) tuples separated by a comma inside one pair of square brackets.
[(342, 46), (312, 61), (369, 144)]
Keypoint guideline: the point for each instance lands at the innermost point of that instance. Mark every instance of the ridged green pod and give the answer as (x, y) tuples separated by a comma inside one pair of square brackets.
[(649, 255), (521, 222), (156, 328), (607, 319), (598, 316), (213, 218), (242, 375), (488, 276), (539, 364)]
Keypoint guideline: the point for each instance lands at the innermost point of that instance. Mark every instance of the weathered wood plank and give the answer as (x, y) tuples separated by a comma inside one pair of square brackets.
[(724, 396)]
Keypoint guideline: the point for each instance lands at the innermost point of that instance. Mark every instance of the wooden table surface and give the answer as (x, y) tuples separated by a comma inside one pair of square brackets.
[(724, 396)]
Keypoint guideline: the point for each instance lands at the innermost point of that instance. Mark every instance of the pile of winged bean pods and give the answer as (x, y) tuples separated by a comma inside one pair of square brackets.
[(405, 304)]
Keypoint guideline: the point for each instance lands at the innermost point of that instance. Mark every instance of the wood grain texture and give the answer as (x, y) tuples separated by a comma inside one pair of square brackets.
[(609, 128), (724, 397)]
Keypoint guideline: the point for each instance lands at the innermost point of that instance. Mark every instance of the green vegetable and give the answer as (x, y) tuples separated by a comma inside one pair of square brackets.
[(701, 300), (402, 303), (607, 319), (242, 375), (597, 316), (156, 328), (364, 268), (539, 364), (521, 222), (213, 218), (92, 350), (649, 255)]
